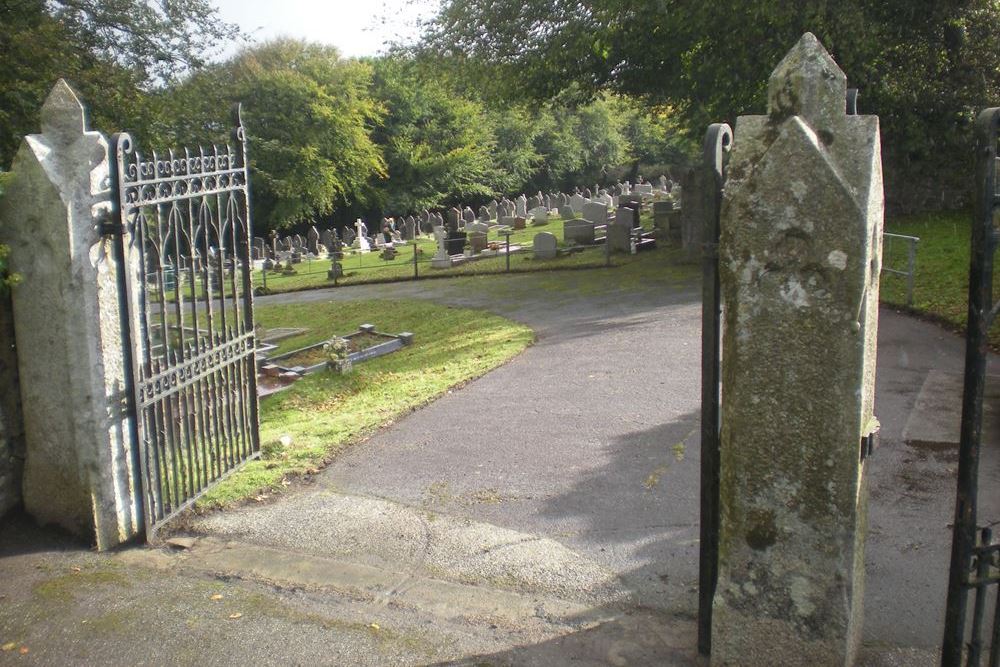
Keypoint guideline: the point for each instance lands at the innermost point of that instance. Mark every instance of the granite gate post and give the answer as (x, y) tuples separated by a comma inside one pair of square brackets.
[(80, 470), (800, 256)]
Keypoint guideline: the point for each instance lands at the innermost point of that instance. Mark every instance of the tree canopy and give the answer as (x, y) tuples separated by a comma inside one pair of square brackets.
[(924, 66)]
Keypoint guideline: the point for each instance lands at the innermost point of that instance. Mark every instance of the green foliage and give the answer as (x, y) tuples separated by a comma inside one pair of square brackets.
[(923, 66), (941, 284), (437, 144), (309, 117), (110, 52), (7, 279)]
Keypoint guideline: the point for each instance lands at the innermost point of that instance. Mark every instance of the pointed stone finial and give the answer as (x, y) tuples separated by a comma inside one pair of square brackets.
[(63, 115), (807, 83)]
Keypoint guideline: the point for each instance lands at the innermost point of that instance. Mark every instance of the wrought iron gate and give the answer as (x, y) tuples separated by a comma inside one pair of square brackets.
[(186, 271), (975, 558)]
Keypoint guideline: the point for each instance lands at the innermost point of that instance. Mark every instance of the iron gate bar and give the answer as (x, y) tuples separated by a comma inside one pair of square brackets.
[(715, 152), (965, 552), (193, 384)]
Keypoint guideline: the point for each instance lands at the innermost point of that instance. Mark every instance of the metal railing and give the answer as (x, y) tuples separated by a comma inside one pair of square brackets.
[(911, 261)]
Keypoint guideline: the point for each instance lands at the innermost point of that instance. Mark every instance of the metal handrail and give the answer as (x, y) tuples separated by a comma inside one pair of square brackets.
[(911, 263)]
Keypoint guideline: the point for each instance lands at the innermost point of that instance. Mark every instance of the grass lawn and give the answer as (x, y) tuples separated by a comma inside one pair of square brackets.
[(941, 285), (324, 412)]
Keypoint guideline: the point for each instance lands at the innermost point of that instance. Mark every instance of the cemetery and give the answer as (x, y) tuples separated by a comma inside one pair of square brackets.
[(559, 335), (480, 245)]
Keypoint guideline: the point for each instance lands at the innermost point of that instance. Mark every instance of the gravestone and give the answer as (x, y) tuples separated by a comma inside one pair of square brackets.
[(662, 216), (595, 212), (456, 242), (336, 254), (577, 201), (454, 219), (533, 203), (484, 214), (349, 235), (326, 238), (441, 260), (312, 240), (492, 209), (567, 212), (468, 215), (633, 200), (545, 245), (521, 206), (361, 237), (477, 232), (800, 255), (587, 194), (258, 248), (643, 188), (578, 231), (627, 217), (409, 228), (539, 215), (619, 238)]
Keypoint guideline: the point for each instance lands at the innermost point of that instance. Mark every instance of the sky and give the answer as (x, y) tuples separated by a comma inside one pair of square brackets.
[(355, 27)]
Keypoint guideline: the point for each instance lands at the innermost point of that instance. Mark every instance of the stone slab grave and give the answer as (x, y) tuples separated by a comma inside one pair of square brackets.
[(279, 372)]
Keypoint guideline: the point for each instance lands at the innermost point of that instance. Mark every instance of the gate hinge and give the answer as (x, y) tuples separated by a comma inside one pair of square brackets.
[(870, 442), (110, 225)]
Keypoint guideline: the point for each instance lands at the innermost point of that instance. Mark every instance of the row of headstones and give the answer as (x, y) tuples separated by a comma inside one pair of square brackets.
[(537, 207)]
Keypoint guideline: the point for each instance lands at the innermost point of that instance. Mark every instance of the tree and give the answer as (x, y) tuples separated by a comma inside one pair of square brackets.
[(924, 66), (438, 145), (309, 118), (111, 52)]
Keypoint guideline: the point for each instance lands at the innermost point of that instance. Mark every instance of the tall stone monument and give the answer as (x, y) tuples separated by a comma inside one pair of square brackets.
[(800, 255)]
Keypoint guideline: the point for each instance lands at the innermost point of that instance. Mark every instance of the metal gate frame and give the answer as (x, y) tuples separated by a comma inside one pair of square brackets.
[(189, 349), (715, 155), (975, 563)]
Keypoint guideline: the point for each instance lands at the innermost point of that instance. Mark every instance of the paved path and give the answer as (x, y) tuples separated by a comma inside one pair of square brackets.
[(548, 510), (590, 439)]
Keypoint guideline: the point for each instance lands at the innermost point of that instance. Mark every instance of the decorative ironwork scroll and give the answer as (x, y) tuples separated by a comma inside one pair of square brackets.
[(185, 220)]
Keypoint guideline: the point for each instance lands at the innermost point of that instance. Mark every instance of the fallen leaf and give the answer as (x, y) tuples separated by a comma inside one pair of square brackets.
[(217, 596), (23, 650), (374, 626), (236, 615), (9, 646), (75, 569)]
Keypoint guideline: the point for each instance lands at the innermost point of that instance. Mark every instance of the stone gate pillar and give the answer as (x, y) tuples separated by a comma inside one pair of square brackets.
[(79, 472), (800, 255)]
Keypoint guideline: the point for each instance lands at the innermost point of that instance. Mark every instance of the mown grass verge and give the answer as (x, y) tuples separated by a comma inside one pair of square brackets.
[(324, 412), (941, 284)]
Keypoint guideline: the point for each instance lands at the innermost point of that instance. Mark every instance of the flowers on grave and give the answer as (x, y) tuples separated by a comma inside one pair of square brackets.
[(288, 269), (337, 351)]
